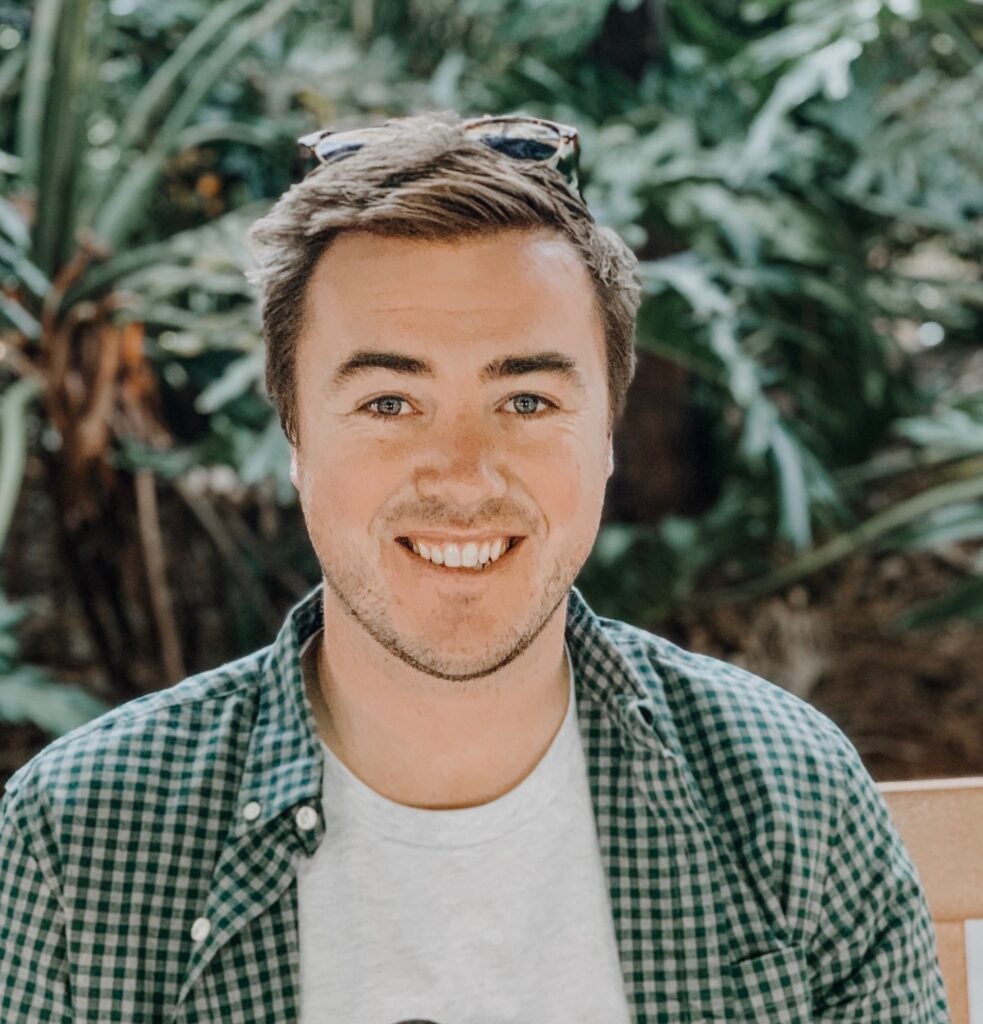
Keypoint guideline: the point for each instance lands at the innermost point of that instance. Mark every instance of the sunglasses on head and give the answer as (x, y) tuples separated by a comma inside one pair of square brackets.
[(521, 138)]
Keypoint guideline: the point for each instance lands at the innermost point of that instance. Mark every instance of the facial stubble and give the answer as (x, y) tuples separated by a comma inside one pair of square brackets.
[(369, 610)]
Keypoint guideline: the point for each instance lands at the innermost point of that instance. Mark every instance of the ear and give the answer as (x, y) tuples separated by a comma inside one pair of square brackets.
[(294, 469), (610, 455)]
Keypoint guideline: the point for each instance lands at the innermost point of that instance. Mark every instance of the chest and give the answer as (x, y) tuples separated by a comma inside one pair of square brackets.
[(646, 890), (649, 920), (507, 921)]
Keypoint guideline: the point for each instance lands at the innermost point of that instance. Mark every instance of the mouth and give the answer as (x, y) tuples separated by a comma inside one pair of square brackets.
[(471, 557)]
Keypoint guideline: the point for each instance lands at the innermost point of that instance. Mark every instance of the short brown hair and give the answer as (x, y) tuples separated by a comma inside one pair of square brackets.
[(430, 182)]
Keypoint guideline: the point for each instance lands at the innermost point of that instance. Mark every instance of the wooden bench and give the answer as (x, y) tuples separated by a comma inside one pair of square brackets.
[(941, 823)]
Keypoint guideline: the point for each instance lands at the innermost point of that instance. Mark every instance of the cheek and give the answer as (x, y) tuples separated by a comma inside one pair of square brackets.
[(566, 497), (342, 488), (568, 481)]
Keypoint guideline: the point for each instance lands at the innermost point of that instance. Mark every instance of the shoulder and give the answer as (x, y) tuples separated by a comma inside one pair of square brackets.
[(174, 739), (780, 785), (720, 710), (775, 774)]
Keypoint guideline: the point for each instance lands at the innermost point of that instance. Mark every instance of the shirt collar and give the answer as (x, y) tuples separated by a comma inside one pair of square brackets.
[(283, 762), (615, 667), (283, 765)]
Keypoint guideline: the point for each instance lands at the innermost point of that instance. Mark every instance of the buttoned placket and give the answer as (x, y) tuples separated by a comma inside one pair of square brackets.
[(252, 893)]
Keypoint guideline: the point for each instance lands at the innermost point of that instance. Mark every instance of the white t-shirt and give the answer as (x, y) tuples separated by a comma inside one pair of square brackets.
[(497, 914)]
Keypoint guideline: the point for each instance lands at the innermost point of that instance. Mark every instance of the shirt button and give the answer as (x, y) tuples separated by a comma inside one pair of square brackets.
[(251, 811), (200, 929), (306, 818)]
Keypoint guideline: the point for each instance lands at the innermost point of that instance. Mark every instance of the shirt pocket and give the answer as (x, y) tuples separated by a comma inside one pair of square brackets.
[(772, 987)]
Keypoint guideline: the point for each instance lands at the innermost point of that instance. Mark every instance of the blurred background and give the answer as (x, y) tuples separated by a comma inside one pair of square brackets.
[(799, 482)]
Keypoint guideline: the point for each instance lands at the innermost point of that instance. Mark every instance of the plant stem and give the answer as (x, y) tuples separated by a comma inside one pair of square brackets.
[(215, 528), (152, 541), (844, 544)]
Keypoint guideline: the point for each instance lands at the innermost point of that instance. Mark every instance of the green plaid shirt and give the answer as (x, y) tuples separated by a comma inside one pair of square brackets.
[(148, 860)]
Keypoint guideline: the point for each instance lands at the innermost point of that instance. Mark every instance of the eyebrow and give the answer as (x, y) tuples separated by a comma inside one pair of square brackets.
[(365, 360)]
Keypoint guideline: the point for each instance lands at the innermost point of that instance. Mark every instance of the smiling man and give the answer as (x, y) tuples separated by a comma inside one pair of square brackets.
[(448, 791), (451, 452)]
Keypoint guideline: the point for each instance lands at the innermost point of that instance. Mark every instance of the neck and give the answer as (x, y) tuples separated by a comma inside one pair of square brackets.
[(427, 742)]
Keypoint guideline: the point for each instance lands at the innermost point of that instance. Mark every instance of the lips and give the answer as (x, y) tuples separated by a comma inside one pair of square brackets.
[(460, 557)]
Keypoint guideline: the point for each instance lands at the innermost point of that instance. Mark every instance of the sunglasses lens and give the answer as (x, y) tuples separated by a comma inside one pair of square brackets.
[(521, 149), (330, 150), (521, 141), (338, 145)]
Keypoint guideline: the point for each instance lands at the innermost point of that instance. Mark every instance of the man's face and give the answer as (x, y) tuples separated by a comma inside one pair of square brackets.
[(456, 441)]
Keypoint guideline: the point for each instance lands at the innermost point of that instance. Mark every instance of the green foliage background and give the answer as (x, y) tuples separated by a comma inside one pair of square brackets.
[(801, 180)]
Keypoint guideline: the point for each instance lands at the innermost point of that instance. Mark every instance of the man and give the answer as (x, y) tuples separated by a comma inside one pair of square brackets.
[(448, 791)]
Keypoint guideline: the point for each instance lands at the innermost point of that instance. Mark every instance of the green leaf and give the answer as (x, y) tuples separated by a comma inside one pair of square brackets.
[(11, 70), (34, 91), (28, 274), (964, 601), (793, 496), (952, 430), (825, 68), (28, 695), (13, 446), (117, 217), (872, 531), (793, 42), (58, 131), (950, 525), (268, 458), (692, 278), (19, 317), (168, 464), (239, 377), (157, 92), (614, 540), (262, 136), (225, 235), (13, 225)]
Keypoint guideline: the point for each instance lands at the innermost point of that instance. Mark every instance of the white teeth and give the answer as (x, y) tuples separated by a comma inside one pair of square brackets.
[(470, 555)]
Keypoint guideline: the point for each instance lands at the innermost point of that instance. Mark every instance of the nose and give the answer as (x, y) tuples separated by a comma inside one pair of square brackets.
[(461, 464)]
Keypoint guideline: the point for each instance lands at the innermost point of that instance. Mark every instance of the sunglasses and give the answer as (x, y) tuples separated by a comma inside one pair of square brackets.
[(521, 138)]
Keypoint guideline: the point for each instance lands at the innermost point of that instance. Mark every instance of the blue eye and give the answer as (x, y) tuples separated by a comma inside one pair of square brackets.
[(525, 400), (388, 402)]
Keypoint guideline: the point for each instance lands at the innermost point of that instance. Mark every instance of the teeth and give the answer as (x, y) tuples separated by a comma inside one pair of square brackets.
[(469, 556)]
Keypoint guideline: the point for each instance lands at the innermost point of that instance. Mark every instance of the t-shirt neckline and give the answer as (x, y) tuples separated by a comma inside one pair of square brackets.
[(350, 801)]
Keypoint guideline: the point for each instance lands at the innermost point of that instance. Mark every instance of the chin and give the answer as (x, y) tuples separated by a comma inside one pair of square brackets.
[(462, 671), (452, 665)]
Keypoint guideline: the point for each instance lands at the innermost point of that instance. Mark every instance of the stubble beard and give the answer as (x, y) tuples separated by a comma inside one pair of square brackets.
[(368, 607)]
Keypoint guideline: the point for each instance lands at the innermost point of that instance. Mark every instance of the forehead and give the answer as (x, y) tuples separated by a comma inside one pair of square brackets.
[(371, 289)]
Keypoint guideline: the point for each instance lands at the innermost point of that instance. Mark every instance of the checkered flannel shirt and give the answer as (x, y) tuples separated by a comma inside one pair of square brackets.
[(148, 860)]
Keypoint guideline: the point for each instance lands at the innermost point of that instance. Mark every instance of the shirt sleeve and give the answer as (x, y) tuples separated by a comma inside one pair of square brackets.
[(34, 982), (874, 957)]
